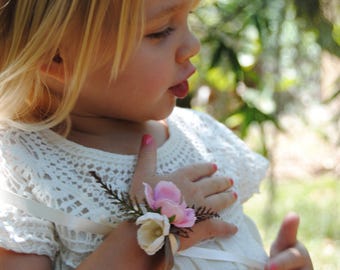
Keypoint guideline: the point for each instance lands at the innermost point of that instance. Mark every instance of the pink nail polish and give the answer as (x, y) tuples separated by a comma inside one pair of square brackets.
[(231, 182), (214, 167), (147, 139), (235, 195), (273, 266)]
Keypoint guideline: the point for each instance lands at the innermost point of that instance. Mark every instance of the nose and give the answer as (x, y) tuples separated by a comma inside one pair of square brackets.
[(190, 46)]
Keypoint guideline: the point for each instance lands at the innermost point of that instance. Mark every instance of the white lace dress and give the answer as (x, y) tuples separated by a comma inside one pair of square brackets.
[(47, 168)]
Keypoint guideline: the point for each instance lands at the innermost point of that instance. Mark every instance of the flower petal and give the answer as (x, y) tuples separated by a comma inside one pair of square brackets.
[(187, 221), (167, 190), (170, 209), (151, 234), (160, 219), (149, 195)]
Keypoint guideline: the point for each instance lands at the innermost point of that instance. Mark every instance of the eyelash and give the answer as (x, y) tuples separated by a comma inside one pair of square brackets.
[(162, 34)]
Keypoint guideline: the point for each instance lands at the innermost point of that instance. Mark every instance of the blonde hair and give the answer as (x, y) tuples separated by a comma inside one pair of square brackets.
[(31, 32)]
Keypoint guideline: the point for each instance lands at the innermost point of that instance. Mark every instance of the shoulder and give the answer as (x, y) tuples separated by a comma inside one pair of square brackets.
[(14, 138), (11, 137), (200, 122), (183, 112), (20, 148)]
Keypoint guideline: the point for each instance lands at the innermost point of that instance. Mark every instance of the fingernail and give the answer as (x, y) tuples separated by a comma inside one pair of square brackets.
[(273, 266), (234, 229), (214, 167), (231, 182), (147, 139), (235, 195)]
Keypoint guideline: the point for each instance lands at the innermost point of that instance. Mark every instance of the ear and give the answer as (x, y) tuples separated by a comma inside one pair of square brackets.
[(55, 69)]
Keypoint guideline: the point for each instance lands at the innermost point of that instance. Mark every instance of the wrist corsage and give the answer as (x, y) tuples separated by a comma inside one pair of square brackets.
[(162, 218)]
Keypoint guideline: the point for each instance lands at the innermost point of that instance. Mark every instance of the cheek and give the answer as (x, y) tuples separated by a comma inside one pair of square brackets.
[(146, 80), (151, 67), (158, 75)]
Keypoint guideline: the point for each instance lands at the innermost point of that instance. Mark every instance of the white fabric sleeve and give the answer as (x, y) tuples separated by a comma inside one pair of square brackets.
[(22, 233), (19, 231), (251, 166)]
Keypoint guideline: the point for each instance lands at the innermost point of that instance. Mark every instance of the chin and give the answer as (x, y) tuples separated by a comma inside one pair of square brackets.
[(166, 113), (161, 114)]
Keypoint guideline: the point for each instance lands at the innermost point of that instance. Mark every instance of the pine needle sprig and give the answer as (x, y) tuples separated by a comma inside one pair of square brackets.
[(122, 199), (203, 213), (183, 232)]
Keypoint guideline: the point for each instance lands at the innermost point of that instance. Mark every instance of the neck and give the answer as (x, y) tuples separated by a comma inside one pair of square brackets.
[(115, 135)]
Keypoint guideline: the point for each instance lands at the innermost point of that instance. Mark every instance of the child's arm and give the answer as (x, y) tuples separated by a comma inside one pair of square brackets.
[(10, 260)]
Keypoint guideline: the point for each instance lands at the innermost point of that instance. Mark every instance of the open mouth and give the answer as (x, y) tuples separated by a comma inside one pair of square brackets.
[(180, 90)]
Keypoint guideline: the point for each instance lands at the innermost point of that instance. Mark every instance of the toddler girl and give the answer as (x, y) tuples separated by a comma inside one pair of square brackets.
[(80, 83)]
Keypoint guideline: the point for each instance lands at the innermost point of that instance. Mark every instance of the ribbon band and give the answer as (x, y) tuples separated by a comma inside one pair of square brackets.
[(54, 215)]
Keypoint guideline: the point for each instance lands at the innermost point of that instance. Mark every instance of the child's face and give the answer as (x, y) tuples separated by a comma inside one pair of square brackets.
[(143, 90)]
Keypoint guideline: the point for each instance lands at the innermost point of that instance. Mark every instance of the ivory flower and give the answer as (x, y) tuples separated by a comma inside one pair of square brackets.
[(151, 234)]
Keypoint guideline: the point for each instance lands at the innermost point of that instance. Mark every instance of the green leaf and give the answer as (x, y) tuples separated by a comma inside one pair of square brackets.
[(172, 219)]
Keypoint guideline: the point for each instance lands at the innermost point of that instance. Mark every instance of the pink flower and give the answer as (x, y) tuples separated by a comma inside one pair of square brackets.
[(167, 198)]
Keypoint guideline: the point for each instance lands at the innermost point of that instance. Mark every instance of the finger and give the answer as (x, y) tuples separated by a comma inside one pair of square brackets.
[(295, 257), (146, 164), (214, 185), (206, 230), (287, 235), (147, 158), (196, 172), (220, 201)]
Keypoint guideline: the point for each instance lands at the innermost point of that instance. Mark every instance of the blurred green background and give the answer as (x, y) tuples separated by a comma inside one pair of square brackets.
[(270, 70)]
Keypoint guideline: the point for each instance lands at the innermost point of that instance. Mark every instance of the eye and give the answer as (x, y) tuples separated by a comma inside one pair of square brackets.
[(162, 34)]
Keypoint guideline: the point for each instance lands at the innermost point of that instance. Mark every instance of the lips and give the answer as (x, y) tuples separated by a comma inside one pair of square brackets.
[(180, 90)]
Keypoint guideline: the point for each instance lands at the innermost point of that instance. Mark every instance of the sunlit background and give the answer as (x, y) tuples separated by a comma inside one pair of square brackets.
[(270, 70)]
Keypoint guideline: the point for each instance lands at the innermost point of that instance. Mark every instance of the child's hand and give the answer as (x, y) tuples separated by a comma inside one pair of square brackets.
[(286, 252), (196, 182)]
